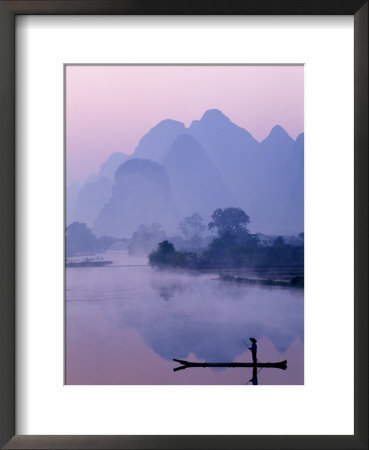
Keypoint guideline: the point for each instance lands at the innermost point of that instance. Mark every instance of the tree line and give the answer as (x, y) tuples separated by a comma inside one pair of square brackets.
[(233, 246)]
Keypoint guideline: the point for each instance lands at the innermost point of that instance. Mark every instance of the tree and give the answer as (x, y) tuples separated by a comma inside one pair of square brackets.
[(167, 256), (192, 226), (233, 220), (279, 242), (163, 255), (145, 239), (80, 240), (166, 248)]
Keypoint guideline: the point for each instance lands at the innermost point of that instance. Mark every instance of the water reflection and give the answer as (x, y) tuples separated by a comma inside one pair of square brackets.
[(174, 315), (206, 318), (167, 292), (256, 365), (254, 379)]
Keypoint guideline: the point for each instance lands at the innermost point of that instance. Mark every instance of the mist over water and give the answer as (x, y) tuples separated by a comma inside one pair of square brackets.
[(217, 211), (126, 322)]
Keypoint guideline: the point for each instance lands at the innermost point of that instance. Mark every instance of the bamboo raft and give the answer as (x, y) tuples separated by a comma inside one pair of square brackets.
[(185, 364)]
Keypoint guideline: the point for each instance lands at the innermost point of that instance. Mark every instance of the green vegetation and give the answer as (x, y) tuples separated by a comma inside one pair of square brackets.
[(145, 239), (192, 226), (81, 241), (167, 256), (233, 247), (230, 220)]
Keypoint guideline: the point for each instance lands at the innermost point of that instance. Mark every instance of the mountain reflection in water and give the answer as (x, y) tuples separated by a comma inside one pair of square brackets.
[(125, 324)]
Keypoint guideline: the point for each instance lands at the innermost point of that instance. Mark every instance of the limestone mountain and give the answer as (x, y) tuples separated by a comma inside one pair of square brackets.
[(196, 183), (154, 145), (141, 194)]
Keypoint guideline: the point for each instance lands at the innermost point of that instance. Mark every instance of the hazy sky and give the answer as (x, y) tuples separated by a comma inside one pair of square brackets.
[(109, 108)]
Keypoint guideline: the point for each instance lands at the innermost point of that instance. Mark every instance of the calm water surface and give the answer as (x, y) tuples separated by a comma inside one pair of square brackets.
[(126, 322)]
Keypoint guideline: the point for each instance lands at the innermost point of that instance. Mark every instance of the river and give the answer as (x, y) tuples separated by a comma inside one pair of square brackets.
[(126, 322)]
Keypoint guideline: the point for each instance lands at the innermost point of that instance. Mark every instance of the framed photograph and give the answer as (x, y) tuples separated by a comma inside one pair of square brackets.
[(184, 224), (162, 239)]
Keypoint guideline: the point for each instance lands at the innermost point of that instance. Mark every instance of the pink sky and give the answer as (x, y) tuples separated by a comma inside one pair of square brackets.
[(109, 108)]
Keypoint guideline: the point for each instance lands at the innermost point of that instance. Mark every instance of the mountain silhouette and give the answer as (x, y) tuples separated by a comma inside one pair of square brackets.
[(84, 202), (212, 163), (277, 168), (232, 150), (91, 199), (225, 142), (196, 183), (155, 144), (293, 212), (108, 168), (71, 195), (141, 194)]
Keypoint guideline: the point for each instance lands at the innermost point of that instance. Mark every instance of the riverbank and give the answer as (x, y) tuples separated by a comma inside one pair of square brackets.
[(296, 281)]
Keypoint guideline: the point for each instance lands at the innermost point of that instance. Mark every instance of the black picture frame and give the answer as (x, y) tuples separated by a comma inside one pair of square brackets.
[(8, 11)]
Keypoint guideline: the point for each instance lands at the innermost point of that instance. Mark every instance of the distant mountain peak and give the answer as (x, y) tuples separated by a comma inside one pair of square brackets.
[(196, 182), (154, 144), (214, 115), (300, 138), (212, 119), (109, 166), (116, 155), (168, 123), (162, 130), (278, 133), (185, 148), (277, 129)]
